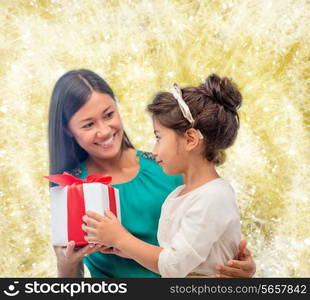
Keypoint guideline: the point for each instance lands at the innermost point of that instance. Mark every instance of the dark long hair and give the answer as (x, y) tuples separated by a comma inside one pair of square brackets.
[(71, 92)]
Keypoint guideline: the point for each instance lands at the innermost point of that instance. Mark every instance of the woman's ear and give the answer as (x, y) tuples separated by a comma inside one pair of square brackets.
[(192, 139), (68, 133)]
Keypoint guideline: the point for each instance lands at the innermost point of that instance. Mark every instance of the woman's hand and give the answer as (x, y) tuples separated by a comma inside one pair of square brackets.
[(69, 260), (105, 230), (243, 267)]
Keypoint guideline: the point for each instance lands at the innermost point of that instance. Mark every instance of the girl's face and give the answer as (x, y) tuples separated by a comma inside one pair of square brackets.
[(97, 127), (169, 149)]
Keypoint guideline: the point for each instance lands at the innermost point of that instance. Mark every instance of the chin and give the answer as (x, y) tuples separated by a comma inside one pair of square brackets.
[(109, 153), (170, 171)]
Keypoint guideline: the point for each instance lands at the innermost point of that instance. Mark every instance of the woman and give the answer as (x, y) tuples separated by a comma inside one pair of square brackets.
[(86, 136)]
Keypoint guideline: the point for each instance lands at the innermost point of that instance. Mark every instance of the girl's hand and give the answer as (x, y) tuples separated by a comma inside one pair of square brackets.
[(69, 260), (105, 230), (114, 251), (243, 267)]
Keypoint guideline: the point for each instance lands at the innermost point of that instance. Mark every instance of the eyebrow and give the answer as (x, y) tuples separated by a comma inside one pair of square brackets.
[(156, 131), (89, 119)]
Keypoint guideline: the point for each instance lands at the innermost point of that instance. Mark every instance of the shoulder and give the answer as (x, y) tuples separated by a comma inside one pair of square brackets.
[(214, 199), (219, 187), (147, 159), (77, 172), (216, 193), (147, 155), (150, 168)]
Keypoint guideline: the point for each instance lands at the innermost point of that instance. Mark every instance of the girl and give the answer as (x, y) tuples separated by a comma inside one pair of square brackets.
[(199, 226), (86, 136)]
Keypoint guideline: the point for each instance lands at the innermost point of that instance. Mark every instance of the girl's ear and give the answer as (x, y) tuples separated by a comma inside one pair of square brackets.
[(192, 139)]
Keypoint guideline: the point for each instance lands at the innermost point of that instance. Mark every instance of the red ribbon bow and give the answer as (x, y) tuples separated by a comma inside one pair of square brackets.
[(68, 179)]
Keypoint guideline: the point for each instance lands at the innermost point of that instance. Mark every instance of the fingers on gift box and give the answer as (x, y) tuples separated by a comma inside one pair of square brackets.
[(70, 201)]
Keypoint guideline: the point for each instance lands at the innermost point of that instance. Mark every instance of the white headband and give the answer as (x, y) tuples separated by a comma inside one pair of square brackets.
[(177, 94)]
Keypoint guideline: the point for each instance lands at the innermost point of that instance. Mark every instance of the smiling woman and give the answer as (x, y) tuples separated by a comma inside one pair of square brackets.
[(97, 128), (83, 112), (86, 136)]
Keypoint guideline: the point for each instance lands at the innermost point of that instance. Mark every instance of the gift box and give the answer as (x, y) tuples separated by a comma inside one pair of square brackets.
[(72, 198)]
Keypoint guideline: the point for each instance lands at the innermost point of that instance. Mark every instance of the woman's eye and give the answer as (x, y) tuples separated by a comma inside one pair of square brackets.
[(88, 125), (109, 115), (157, 138)]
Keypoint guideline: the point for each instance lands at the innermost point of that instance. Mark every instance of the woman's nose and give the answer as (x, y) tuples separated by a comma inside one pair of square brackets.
[(103, 131)]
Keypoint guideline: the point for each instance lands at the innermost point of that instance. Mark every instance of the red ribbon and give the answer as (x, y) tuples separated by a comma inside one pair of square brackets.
[(68, 179), (76, 204)]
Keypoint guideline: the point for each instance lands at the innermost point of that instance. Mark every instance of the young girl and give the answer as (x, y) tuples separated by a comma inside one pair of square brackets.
[(199, 226)]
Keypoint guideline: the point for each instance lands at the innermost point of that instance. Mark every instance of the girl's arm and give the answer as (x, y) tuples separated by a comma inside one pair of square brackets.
[(108, 231), (145, 254)]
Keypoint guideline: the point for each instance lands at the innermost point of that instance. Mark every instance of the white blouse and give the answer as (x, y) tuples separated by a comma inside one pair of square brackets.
[(198, 230)]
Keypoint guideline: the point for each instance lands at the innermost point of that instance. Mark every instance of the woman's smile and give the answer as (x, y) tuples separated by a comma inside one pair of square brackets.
[(107, 143)]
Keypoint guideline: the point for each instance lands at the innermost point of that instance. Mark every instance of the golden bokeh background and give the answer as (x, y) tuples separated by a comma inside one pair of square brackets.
[(141, 47)]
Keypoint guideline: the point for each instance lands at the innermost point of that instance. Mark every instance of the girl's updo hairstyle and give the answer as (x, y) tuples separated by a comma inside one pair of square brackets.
[(213, 105)]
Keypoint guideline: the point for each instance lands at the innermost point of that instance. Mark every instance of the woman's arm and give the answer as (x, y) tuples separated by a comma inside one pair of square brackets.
[(243, 267), (108, 231), (69, 260)]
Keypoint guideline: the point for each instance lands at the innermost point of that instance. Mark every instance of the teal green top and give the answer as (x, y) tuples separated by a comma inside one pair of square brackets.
[(140, 201)]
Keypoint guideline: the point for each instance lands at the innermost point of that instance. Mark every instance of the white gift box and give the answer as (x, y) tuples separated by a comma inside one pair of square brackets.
[(70, 203)]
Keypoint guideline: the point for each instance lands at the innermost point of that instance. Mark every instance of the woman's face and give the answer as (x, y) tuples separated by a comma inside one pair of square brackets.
[(97, 127)]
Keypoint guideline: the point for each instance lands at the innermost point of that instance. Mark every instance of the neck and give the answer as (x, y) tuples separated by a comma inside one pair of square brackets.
[(198, 172), (123, 160)]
